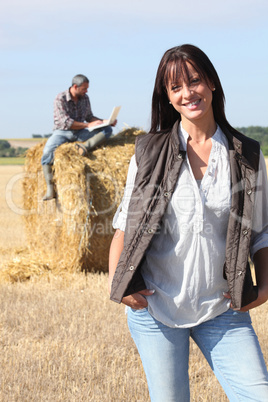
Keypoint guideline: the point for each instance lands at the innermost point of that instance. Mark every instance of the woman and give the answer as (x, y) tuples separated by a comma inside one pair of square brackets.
[(194, 209)]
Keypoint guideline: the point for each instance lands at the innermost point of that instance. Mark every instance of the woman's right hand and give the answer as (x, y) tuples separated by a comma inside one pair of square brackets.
[(137, 300)]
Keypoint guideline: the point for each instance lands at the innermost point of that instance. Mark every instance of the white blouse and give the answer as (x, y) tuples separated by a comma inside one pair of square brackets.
[(184, 262)]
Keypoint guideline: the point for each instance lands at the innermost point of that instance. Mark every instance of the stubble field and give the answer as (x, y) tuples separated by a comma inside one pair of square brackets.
[(61, 339)]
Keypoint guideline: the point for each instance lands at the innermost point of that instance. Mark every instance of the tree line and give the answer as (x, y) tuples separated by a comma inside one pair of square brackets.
[(259, 134), (7, 151), (41, 136)]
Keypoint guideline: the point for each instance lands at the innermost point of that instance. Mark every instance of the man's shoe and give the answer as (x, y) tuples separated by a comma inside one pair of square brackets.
[(82, 150)]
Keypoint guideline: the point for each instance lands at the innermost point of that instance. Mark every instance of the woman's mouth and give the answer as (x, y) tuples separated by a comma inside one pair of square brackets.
[(192, 104)]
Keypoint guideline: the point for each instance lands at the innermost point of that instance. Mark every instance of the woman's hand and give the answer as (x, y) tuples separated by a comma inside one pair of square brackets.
[(137, 300), (260, 260), (262, 298)]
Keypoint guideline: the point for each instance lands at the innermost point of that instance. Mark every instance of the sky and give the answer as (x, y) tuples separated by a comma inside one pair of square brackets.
[(118, 45)]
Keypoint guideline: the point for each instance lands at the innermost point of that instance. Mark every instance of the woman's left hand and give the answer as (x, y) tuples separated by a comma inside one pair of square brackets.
[(260, 260), (262, 298)]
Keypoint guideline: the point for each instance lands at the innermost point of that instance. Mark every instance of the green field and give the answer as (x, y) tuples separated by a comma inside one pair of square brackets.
[(12, 161)]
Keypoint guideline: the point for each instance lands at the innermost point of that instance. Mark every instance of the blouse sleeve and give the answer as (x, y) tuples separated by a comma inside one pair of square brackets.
[(260, 214), (120, 217)]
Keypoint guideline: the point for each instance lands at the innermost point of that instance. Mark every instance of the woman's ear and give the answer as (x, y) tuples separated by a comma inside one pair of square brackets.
[(212, 87)]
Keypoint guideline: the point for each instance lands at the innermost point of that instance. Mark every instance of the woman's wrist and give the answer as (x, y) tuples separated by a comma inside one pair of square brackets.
[(262, 294)]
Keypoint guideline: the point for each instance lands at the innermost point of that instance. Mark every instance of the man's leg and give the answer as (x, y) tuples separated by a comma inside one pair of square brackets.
[(58, 138), (231, 347), (92, 139), (164, 352)]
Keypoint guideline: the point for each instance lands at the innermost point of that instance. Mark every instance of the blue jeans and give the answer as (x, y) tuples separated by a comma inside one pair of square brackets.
[(228, 342), (59, 137)]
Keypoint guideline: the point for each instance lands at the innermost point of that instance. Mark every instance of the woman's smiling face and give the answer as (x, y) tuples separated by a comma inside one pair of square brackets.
[(191, 96)]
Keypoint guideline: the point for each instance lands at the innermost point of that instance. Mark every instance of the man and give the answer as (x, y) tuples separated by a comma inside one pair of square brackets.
[(73, 118)]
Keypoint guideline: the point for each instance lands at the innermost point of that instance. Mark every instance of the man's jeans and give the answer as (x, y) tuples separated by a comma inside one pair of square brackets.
[(59, 137), (228, 342)]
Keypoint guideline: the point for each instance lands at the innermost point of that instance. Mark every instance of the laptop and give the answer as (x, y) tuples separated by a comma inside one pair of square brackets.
[(111, 120)]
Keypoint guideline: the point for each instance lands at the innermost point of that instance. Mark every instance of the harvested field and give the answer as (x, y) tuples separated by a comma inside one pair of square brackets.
[(24, 143), (12, 231), (61, 339)]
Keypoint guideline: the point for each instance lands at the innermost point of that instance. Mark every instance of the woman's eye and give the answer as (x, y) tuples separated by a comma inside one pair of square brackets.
[(175, 88), (195, 81)]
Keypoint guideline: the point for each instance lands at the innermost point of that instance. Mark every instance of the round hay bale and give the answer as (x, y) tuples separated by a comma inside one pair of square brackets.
[(74, 231)]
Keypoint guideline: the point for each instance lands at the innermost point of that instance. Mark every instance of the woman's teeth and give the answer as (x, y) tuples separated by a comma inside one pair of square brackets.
[(194, 103)]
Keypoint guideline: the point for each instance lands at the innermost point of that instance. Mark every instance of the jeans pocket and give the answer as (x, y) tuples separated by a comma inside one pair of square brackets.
[(238, 311), (140, 310)]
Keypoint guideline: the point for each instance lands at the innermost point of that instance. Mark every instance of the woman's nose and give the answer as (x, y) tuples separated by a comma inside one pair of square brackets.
[(186, 90)]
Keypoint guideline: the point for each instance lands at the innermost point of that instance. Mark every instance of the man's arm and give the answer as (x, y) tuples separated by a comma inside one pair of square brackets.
[(79, 126), (94, 122), (63, 121)]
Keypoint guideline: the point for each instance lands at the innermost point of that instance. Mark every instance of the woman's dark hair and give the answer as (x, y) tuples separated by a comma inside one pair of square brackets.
[(173, 65)]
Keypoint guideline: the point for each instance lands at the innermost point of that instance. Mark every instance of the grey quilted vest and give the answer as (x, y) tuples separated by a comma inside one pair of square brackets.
[(159, 160)]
